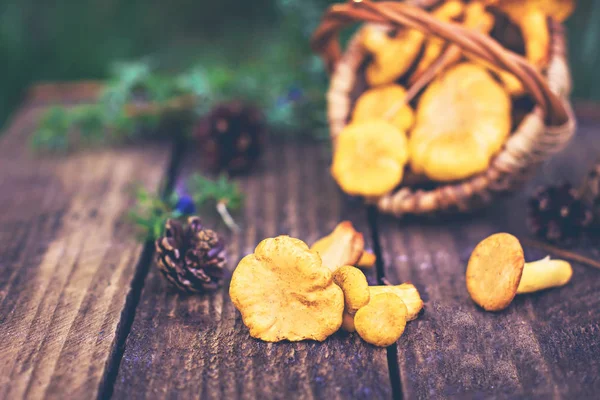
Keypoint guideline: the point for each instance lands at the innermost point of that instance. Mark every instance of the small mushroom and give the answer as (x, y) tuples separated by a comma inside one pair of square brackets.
[(393, 54), (407, 292), (377, 102), (532, 17), (367, 260), (382, 321), (369, 158), (355, 287), (343, 246), (497, 272)]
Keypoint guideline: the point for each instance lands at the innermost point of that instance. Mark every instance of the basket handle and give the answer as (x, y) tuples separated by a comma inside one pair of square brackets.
[(326, 43)]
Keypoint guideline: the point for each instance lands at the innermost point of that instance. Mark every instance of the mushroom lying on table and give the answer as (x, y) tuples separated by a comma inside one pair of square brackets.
[(497, 272)]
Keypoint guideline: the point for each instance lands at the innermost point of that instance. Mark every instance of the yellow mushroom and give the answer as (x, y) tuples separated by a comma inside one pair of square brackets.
[(355, 287), (369, 158), (511, 83), (377, 103), (447, 12), (284, 292), (477, 18), (343, 246), (367, 260), (407, 292), (532, 18), (382, 321), (497, 272), (392, 55), (463, 119)]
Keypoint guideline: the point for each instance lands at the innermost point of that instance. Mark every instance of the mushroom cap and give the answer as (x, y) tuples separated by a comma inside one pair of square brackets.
[(369, 158), (407, 292), (284, 293), (494, 271), (382, 321), (376, 103), (392, 56), (355, 287), (455, 137), (557, 9), (343, 246), (367, 260)]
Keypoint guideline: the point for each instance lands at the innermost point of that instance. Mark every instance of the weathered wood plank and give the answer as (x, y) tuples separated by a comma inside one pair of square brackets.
[(545, 345), (197, 346), (66, 261)]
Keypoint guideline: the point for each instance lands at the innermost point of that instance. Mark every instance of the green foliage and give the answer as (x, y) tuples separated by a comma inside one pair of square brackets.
[(106, 121), (220, 190), (151, 211), (274, 68)]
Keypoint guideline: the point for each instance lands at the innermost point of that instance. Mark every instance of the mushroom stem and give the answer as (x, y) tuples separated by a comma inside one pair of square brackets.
[(544, 274), (227, 218)]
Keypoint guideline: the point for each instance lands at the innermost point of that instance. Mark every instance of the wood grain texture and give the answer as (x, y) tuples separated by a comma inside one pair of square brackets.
[(197, 346), (545, 345), (66, 260)]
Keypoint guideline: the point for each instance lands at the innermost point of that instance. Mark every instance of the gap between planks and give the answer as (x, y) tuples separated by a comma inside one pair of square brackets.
[(146, 258), (392, 351), (111, 371)]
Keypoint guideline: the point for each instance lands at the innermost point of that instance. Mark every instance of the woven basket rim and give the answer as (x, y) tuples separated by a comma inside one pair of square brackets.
[(529, 144)]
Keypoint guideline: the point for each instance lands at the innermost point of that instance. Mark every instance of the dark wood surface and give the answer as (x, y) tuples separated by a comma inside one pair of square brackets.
[(67, 260), (81, 316), (197, 346), (545, 345)]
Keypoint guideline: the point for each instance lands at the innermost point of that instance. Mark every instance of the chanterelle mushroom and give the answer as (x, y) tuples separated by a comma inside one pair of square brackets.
[(497, 272), (369, 158), (343, 246), (284, 293), (392, 55), (463, 119), (355, 287), (531, 16), (382, 321), (377, 102)]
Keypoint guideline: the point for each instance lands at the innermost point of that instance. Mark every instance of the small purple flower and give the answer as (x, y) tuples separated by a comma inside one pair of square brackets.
[(295, 93), (185, 205)]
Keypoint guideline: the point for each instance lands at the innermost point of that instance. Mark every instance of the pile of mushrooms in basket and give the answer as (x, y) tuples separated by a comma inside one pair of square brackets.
[(442, 105)]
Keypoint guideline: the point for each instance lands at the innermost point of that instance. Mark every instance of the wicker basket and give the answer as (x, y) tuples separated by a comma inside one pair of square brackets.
[(544, 131)]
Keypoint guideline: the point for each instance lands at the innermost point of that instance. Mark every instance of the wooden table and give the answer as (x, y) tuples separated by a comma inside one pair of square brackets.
[(84, 312)]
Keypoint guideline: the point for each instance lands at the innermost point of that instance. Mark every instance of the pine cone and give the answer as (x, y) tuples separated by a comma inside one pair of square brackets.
[(557, 214), (231, 136), (191, 257), (590, 192)]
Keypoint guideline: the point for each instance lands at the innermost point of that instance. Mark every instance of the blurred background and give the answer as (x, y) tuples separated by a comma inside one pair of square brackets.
[(54, 40)]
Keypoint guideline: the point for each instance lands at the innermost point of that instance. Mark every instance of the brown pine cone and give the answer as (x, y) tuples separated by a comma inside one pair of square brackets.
[(557, 214), (231, 137), (590, 192), (190, 257)]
